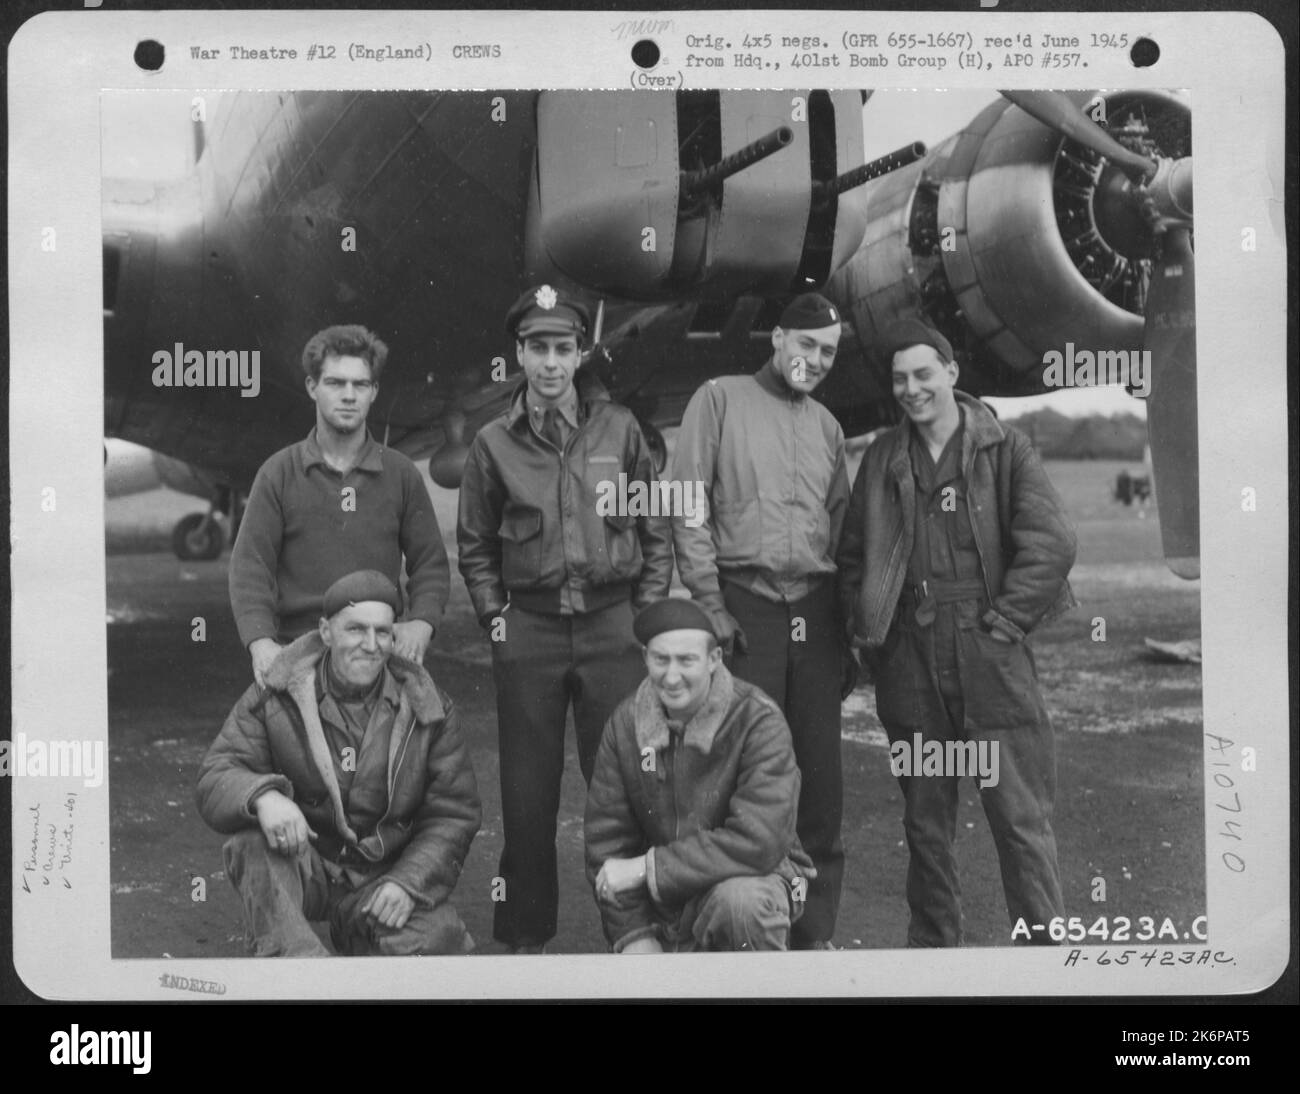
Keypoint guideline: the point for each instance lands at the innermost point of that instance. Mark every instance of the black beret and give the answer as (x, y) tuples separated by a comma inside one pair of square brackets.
[(547, 310), (675, 613), (902, 333), (357, 588), (811, 311)]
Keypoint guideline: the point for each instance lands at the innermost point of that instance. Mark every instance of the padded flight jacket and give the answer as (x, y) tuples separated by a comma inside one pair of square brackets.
[(274, 740), (719, 801), (1025, 543)]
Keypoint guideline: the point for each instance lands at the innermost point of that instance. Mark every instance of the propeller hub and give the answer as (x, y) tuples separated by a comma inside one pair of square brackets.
[(1118, 214), (1170, 193)]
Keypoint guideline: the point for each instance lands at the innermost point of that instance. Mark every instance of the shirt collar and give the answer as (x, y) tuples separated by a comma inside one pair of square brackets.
[(371, 457), (774, 383), (948, 465), (568, 407)]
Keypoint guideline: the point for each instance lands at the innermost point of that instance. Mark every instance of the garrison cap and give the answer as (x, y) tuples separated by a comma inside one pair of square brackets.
[(358, 587), (902, 333), (547, 310), (674, 613), (811, 311)]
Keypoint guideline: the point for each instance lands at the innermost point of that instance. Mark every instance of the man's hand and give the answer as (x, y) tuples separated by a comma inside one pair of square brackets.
[(263, 651), (648, 944), (285, 828), (1000, 636), (389, 906), (620, 877), (730, 637), (411, 639)]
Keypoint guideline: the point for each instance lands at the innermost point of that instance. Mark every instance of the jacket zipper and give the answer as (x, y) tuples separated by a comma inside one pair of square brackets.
[(889, 567), (974, 529), (392, 782)]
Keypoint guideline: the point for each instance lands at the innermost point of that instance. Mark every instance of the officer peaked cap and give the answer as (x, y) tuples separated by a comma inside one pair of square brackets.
[(545, 309)]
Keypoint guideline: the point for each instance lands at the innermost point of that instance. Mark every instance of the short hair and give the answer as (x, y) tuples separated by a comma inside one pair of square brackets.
[(348, 340)]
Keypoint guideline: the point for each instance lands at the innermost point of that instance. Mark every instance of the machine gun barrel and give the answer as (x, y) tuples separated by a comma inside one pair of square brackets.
[(901, 157), (695, 183)]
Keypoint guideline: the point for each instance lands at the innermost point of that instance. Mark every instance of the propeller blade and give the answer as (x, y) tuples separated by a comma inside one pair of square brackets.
[(1056, 110), (1170, 336)]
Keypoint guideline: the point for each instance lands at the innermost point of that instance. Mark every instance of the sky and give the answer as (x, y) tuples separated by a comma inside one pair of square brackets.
[(147, 135)]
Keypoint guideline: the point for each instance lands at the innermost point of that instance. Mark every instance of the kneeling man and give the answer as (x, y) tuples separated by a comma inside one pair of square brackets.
[(348, 791), (690, 825)]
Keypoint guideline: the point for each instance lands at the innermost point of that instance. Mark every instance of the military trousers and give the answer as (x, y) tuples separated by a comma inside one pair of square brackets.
[(740, 914), (794, 654), (282, 895), (543, 666), (952, 681)]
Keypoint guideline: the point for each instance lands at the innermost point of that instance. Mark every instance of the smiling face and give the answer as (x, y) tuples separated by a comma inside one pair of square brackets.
[(681, 665), (804, 357), (924, 384), (343, 394), (549, 361), (360, 639)]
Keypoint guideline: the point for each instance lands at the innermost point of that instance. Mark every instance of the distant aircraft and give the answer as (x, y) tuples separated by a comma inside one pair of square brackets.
[(133, 469), (688, 217)]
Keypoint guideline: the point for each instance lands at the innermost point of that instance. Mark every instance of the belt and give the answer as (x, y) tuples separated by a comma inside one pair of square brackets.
[(932, 592), (945, 592), (547, 601)]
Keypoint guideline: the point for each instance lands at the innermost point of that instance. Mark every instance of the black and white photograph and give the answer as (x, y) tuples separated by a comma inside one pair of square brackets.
[(664, 263), (698, 518)]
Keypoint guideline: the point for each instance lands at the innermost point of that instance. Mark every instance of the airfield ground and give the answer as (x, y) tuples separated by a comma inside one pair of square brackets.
[(1129, 804)]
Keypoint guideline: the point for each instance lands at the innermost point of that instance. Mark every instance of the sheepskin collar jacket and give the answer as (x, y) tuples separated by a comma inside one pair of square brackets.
[(714, 799), (1025, 541), (412, 817)]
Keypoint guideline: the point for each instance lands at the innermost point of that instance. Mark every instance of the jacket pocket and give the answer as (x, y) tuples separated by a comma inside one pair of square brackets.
[(622, 547), (963, 518), (998, 683), (521, 546)]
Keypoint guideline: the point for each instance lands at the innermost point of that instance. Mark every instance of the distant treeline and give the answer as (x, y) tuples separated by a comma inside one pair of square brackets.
[(1096, 437)]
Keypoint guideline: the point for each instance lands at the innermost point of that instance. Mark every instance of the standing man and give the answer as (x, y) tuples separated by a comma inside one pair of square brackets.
[(554, 582), (332, 504), (690, 818), (347, 790), (762, 563), (956, 546)]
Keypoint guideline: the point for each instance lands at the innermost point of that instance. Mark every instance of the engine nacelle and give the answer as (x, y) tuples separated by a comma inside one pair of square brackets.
[(614, 208), (1004, 238)]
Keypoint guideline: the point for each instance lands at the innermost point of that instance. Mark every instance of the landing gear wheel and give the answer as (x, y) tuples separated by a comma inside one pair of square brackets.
[(198, 538)]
